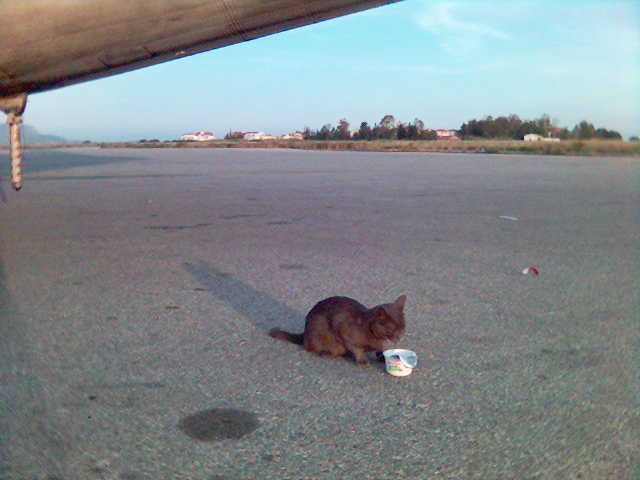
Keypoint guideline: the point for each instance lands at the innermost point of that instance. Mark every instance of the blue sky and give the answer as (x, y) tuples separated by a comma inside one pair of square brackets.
[(444, 62)]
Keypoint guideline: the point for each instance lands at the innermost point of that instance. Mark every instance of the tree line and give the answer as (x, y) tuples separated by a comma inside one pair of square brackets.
[(512, 127), (506, 127), (386, 129)]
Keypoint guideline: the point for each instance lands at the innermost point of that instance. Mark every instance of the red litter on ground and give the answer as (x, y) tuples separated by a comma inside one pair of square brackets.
[(533, 270)]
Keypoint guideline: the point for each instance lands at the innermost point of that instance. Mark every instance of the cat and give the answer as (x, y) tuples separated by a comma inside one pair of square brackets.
[(337, 326)]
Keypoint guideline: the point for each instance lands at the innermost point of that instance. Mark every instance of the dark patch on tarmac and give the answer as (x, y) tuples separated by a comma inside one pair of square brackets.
[(50, 477), (129, 476), (481, 339), (125, 395), (121, 386), (292, 266), (439, 302), (241, 215), (3, 471), (47, 160), (573, 358), (102, 177), (428, 194), (219, 424), (283, 222), (174, 228)]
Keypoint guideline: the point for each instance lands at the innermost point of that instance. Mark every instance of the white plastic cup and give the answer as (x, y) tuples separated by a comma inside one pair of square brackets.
[(399, 362)]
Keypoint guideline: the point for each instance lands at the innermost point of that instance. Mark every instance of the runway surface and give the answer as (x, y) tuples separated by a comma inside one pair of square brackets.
[(137, 287)]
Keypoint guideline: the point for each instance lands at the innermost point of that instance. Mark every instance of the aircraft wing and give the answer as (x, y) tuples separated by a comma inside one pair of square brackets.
[(46, 44)]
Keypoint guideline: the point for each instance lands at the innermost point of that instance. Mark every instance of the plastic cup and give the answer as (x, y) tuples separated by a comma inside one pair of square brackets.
[(399, 362)]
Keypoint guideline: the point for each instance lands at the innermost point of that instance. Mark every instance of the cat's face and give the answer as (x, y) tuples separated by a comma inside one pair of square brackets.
[(388, 323)]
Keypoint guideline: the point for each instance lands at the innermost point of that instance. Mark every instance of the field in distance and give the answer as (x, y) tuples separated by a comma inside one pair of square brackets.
[(564, 147)]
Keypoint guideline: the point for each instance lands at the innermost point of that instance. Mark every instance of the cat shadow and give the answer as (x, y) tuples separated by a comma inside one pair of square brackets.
[(263, 310)]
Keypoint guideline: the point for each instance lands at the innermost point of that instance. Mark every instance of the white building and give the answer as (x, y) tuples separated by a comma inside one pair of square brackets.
[(534, 137), (198, 137), (258, 136), (293, 136), (446, 134)]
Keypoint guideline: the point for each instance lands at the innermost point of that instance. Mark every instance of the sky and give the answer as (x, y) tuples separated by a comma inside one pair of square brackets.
[(444, 62)]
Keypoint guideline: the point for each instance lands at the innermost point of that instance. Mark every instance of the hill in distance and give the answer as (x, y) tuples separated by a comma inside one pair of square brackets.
[(30, 136)]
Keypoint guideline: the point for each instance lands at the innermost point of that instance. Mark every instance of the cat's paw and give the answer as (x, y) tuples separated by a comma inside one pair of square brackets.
[(363, 362)]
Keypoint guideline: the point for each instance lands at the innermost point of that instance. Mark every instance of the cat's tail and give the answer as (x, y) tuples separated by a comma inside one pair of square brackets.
[(296, 338)]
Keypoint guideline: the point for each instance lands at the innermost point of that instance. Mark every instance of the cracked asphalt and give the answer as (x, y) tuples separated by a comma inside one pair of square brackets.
[(137, 287)]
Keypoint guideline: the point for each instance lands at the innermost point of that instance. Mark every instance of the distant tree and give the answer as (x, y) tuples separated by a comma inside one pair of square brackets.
[(614, 135), (601, 133), (634, 138), (364, 133), (401, 132), (489, 129), (414, 130), (342, 131), (387, 128), (469, 129), (583, 131), (325, 132), (530, 126), (234, 136), (608, 134), (545, 125), (306, 133), (513, 127), (510, 126), (388, 121), (501, 127), (428, 134)]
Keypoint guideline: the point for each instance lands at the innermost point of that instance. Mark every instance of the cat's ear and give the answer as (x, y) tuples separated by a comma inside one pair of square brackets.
[(380, 313), (400, 302)]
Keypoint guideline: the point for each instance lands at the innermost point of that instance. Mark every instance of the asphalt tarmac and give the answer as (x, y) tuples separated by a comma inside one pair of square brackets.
[(137, 288)]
